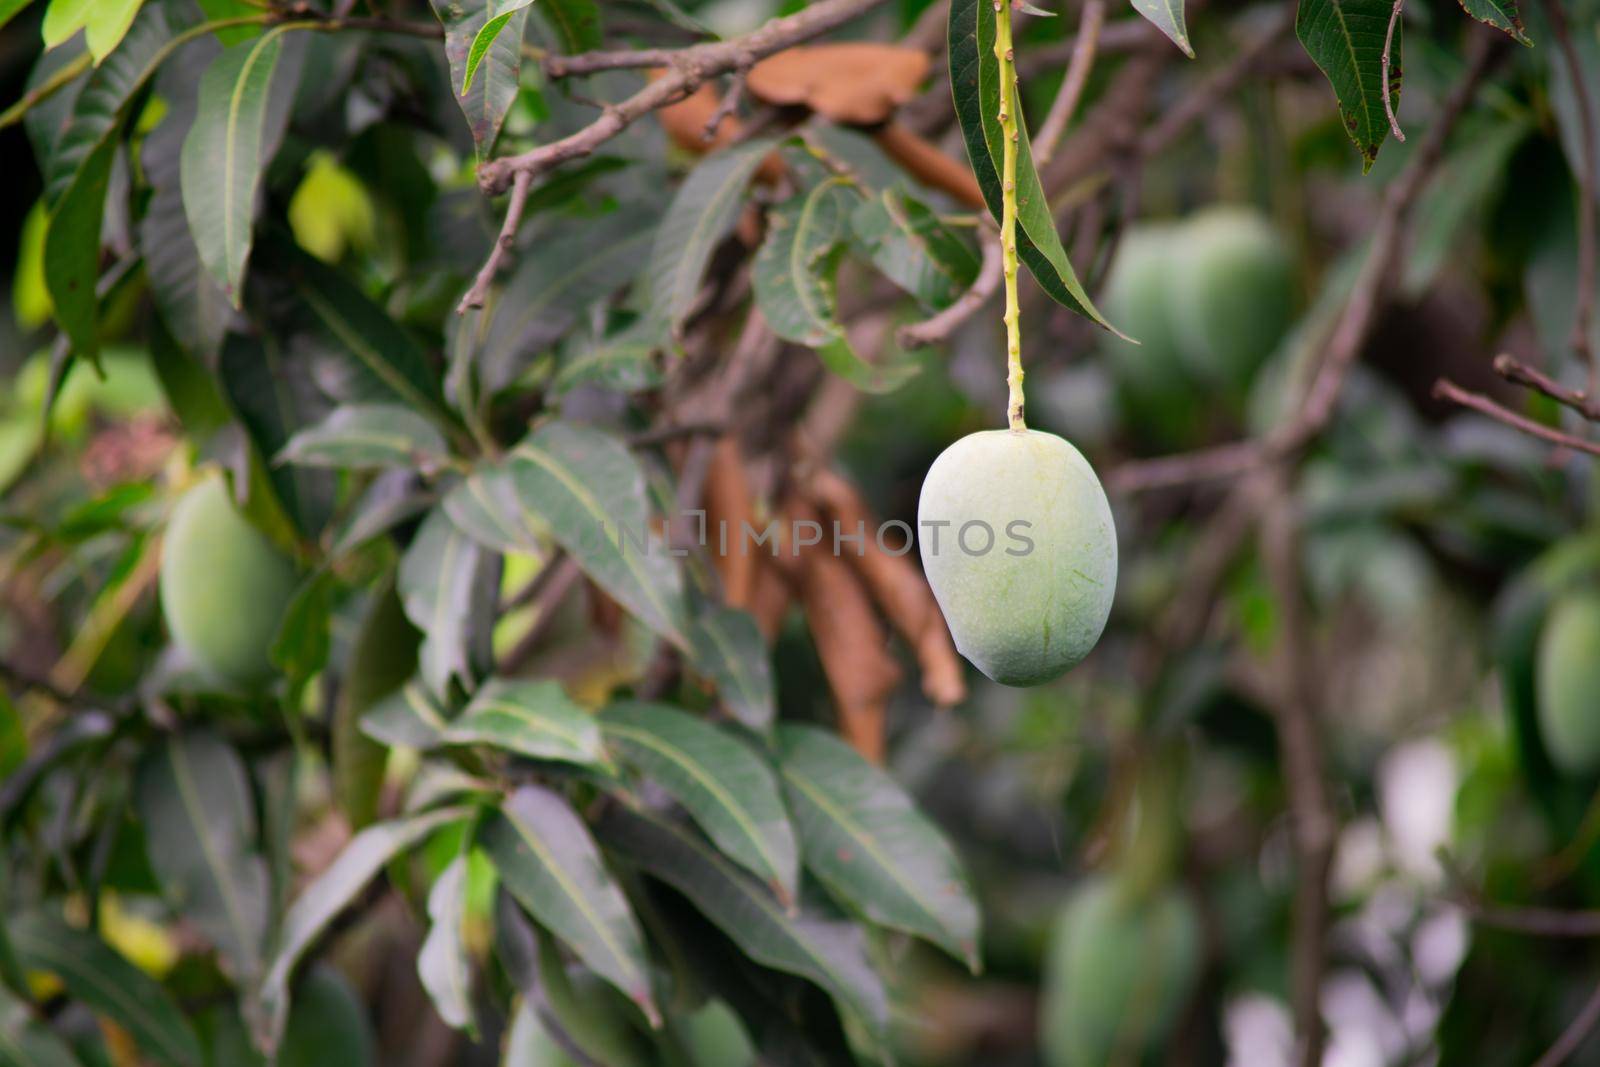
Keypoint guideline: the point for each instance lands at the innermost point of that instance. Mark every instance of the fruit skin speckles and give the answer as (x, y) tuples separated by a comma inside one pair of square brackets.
[(1022, 615)]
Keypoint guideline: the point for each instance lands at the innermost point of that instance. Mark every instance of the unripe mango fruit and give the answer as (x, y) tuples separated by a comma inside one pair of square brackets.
[(1232, 293), (1568, 683), (1117, 972), (1018, 543), (224, 587)]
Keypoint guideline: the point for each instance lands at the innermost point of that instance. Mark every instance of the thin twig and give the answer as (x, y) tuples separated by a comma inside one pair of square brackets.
[(939, 328), (1350, 330), (1537, 922), (564, 574), (1066, 101), (503, 244), (728, 106), (1583, 310), (1514, 370), (1445, 389), (1383, 78), (1575, 1034)]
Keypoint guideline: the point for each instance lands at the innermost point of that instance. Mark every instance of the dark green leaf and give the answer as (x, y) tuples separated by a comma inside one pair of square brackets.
[(866, 840), (394, 497), (831, 954), (95, 974), (729, 791), (576, 23), (975, 84), (730, 649), (409, 717), (301, 646), (702, 211), (494, 84), (548, 861), (199, 817), (1167, 16), (383, 658), (623, 362), (913, 249), (440, 579), (534, 719), (1345, 38), (591, 492), (485, 507), (793, 271), (225, 153), (369, 435), (366, 854), (9, 9), (442, 963), (328, 1025), (1501, 14)]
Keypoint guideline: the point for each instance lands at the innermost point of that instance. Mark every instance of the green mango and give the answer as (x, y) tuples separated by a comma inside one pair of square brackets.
[(1568, 683), (224, 587), (1118, 970), (1232, 293), (1018, 543)]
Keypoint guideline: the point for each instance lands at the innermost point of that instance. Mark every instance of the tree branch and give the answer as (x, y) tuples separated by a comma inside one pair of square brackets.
[(1514, 370), (1575, 1034), (1445, 389), (1383, 78)]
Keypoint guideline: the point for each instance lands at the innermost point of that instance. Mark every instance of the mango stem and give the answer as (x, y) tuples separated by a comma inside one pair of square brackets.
[(1009, 119)]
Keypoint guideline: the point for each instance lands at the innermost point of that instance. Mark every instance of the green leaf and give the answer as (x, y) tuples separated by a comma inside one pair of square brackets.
[(94, 973), (483, 40), (63, 18), (369, 435), (591, 492), (79, 174), (493, 84), (383, 363), (702, 211), (442, 963), (106, 25), (199, 816), (486, 508), (729, 791), (622, 362), (10, 9), (793, 271), (334, 889), (409, 717), (533, 719), (975, 84), (1345, 39), (576, 23), (328, 1025), (730, 649), (868, 843), (440, 579), (557, 278), (548, 861), (300, 647), (25, 1041), (1167, 16), (1501, 14), (226, 152), (382, 659), (912, 248), (829, 953)]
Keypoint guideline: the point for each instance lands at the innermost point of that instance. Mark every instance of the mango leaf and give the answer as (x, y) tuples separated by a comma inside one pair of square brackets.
[(440, 585), (912, 248), (1167, 16), (392, 498), (79, 174), (533, 719), (409, 717), (27, 1042), (108, 22), (382, 659), (485, 506), (548, 861), (1501, 14), (728, 790), (442, 963), (382, 362), (591, 492), (483, 40), (97, 975), (304, 638), (10, 9), (227, 150), (868, 843), (729, 648), (1345, 39), (622, 362), (327, 1025), (487, 95), (334, 889), (702, 211), (563, 273), (576, 23), (793, 271), (975, 85), (368, 435), (190, 300), (199, 816), (62, 19), (829, 953)]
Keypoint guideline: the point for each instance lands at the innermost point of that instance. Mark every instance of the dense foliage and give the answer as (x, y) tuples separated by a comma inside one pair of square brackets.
[(393, 394)]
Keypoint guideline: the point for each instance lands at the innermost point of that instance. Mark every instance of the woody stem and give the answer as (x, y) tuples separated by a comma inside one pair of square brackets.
[(1009, 118)]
